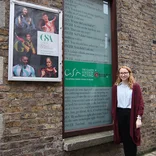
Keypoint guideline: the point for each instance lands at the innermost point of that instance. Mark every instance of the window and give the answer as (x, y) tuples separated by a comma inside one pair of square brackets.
[(88, 66)]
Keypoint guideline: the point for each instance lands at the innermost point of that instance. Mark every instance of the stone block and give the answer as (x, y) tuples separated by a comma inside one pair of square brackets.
[(3, 38), (1, 125), (2, 14), (13, 124)]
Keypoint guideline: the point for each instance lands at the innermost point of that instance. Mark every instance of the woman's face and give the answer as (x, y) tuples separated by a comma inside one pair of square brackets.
[(45, 18), (123, 74), (48, 62), (28, 37)]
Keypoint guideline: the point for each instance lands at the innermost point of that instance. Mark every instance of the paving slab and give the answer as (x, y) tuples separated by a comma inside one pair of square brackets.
[(150, 154)]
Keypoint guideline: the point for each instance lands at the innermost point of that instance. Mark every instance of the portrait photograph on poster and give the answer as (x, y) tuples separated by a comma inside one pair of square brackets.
[(35, 43)]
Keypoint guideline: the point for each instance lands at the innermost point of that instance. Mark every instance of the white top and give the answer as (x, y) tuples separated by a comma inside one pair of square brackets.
[(124, 96)]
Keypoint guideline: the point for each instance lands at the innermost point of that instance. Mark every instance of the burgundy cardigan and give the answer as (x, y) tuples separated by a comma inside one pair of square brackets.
[(137, 108)]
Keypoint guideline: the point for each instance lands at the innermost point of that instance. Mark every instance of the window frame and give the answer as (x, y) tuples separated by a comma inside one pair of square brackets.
[(114, 69)]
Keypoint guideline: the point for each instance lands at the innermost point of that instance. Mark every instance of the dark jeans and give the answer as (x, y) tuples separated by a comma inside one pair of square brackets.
[(123, 115)]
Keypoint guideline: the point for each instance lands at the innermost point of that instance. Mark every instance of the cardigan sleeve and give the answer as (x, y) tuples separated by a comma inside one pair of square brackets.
[(114, 92), (140, 102)]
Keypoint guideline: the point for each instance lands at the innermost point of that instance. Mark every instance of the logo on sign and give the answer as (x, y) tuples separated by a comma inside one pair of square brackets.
[(46, 38)]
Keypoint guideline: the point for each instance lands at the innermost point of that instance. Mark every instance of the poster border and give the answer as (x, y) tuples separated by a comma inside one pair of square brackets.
[(11, 32)]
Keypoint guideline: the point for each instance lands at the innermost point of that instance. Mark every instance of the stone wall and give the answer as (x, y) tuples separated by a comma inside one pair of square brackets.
[(31, 112), (136, 28)]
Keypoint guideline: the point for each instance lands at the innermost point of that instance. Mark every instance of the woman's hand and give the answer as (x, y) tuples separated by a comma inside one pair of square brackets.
[(44, 28), (138, 123), (42, 73)]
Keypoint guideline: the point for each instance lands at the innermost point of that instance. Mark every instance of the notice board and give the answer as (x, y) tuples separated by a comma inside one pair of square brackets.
[(87, 65)]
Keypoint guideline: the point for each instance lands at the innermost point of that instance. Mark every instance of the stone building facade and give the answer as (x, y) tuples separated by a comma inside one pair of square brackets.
[(31, 112)]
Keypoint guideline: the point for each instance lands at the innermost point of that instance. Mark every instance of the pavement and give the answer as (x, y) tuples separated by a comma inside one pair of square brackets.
[(150, 154)]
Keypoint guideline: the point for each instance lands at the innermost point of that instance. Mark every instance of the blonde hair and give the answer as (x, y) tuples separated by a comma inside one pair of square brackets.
[(131, 79)]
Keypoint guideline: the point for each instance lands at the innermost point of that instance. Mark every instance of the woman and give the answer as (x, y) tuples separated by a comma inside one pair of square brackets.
[(49, 70), (47, 25), (127, 111)]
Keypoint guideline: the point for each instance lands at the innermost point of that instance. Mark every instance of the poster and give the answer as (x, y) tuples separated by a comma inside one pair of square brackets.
[(35, 43)]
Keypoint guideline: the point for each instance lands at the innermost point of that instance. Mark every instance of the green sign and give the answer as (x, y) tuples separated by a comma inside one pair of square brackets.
[(81, 74)]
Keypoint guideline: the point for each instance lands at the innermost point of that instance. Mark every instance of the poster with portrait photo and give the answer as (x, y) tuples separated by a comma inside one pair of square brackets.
[(35, 43)]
